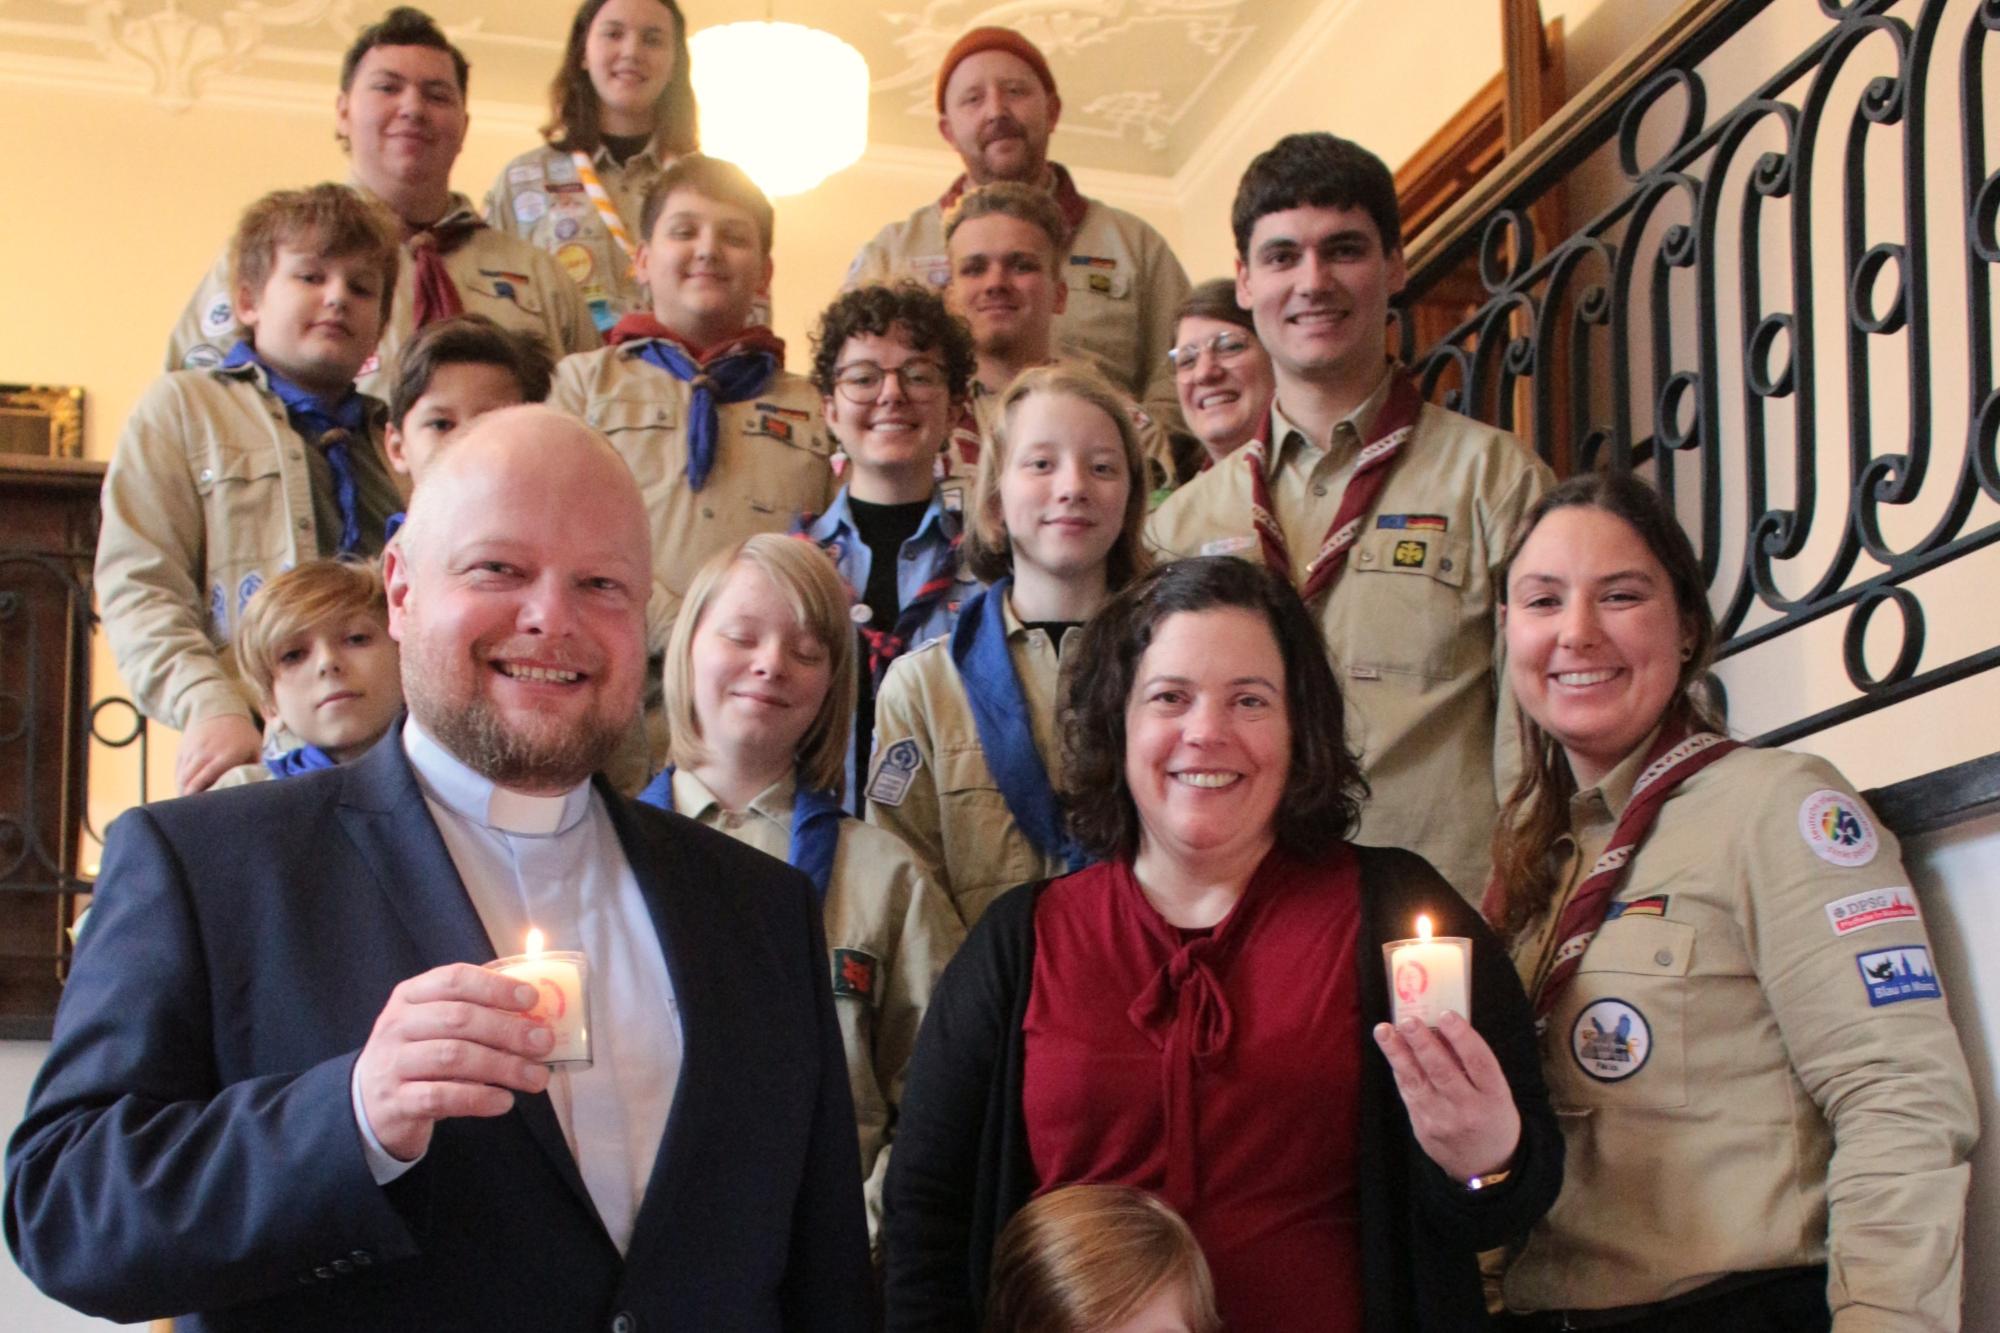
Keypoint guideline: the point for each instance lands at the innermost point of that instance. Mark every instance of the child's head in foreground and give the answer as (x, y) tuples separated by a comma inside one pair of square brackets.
[(449, 373), (1099, 1259), (314, 644)]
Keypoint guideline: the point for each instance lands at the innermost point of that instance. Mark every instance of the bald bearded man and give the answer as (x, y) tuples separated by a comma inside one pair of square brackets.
[(285, 1094)]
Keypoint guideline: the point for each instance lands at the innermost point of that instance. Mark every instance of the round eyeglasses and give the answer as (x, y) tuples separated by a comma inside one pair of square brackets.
[(861, 382), (1224, 346)]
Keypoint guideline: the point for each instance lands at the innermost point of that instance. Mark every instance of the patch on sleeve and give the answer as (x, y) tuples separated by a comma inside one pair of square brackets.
[(1837, 829), (1611, 1040), (1229, 545), (1655, 905), (854, 974), (1859, 911), (893, 775), (218, 319), (1895, 975)]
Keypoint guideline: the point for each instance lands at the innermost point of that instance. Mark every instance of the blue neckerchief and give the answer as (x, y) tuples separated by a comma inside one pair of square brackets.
[(327, 427), (734, 378), (302, 760), (1000, 711), (816, 817)]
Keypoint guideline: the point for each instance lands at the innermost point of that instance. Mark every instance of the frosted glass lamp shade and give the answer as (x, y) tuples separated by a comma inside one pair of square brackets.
[(787, 103)]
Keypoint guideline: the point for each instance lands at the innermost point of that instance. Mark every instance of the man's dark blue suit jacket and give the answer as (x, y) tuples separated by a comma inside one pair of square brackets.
[(191, 1143)]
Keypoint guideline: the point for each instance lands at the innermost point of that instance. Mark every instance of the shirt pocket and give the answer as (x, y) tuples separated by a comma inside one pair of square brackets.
[(985, 851), (1618, 1038), (1406, 612), (244, 514), (792, 473)]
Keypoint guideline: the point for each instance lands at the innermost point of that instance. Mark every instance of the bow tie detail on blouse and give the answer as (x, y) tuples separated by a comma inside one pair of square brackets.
[(1184, 1012)]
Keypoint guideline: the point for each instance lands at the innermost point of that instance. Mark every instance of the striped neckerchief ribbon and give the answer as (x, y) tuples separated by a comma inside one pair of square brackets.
[(1675, 757), (1393, 425), (607, 212), (734, 372), (886, 645)]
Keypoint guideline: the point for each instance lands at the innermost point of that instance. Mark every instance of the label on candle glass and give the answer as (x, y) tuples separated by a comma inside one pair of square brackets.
[(561, 1001), (1428, 977)]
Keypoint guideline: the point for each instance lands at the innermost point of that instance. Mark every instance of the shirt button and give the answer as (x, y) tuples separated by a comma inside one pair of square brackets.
[(343, 1266), (304, 523), (297, 454), (706, 512), (1445, 565), (1367, 557), (323, 1273), (362, 1258), (623, 1322), (1664, 957), (207, 475), (1319, 490), (909, 555)]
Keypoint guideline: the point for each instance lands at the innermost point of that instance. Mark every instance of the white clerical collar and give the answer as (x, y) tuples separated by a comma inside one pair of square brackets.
[(477, 797)]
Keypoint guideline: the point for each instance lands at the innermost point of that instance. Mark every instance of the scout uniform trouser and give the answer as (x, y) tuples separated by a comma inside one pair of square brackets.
[(1783, 1300)]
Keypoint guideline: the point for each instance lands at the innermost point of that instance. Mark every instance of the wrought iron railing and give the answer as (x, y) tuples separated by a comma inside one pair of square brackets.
[(1708, 322)]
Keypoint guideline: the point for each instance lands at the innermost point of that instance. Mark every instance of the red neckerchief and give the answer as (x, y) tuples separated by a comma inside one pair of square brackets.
[(1071, 203), (642, 324), (435, 294), (886, 645), (1676, 756), (1393, 425)]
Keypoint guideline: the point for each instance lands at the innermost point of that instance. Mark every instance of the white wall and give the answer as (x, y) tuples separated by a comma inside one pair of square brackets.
[(1956, 874)]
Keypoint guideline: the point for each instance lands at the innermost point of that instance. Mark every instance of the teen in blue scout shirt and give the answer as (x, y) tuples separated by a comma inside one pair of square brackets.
[(893, 368), (226, 476), (759, 683), (965, 728)]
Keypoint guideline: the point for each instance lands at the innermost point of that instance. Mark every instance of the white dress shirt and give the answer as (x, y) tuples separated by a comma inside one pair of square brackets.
[(554, 863)]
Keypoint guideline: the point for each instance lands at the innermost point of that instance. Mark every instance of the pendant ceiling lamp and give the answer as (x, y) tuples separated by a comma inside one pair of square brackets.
[(787, 103)]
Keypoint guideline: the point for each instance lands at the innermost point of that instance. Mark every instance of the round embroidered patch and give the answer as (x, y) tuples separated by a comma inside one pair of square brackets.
[(1837, 829), (1611, 1040)]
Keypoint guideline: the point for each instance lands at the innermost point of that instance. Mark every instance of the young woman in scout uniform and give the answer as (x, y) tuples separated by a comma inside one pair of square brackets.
[(621, 109), (1766, 1108), (759, 681), (965, 727)]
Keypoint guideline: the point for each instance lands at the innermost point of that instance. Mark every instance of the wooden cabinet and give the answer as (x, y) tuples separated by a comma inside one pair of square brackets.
[(48, 539)]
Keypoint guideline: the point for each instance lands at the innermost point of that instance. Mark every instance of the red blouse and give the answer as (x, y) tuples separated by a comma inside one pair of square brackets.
[(1219, 1069)]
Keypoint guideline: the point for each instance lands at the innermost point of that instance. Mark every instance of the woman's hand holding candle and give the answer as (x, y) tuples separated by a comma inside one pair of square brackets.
[(1461, 1111), (455, 1041)]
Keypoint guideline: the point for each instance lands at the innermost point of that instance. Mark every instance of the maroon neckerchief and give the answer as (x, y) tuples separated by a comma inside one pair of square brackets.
[(1071, 203), (1676, 756), (436, 295), (1393, 425), (643, 324)]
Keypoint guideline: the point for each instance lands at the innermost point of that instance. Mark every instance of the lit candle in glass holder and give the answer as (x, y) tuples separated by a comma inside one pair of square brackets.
[(1428, 976), (562, 1001)]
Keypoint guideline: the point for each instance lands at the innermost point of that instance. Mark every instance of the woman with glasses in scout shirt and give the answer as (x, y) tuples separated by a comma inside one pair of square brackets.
[(1743, 1032), (621, 109), (1221, 371)]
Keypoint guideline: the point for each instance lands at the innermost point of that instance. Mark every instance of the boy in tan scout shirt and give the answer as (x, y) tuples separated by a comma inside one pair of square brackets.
[(1005, 243), (226, 476), (401, 117), (760, 682), (1389, 514), (724, 441)]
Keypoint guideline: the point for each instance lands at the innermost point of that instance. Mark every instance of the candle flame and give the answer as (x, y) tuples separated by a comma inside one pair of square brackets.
[(535, 941), (1423, 928)]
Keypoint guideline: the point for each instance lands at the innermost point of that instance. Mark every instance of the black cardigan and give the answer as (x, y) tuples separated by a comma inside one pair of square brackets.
[(961, 1167)]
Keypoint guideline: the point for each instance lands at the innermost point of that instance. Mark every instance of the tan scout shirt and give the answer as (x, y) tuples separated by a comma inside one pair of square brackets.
[(1754, 1067), (890, 932), (497, 275), (540, 197), (1154, 446), (1410, 625), (773, 460), (952, 813), (209, 494), (1124, 286)]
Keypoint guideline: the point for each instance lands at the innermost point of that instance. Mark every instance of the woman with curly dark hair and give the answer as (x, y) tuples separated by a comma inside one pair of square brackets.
[(1192, 1015)]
